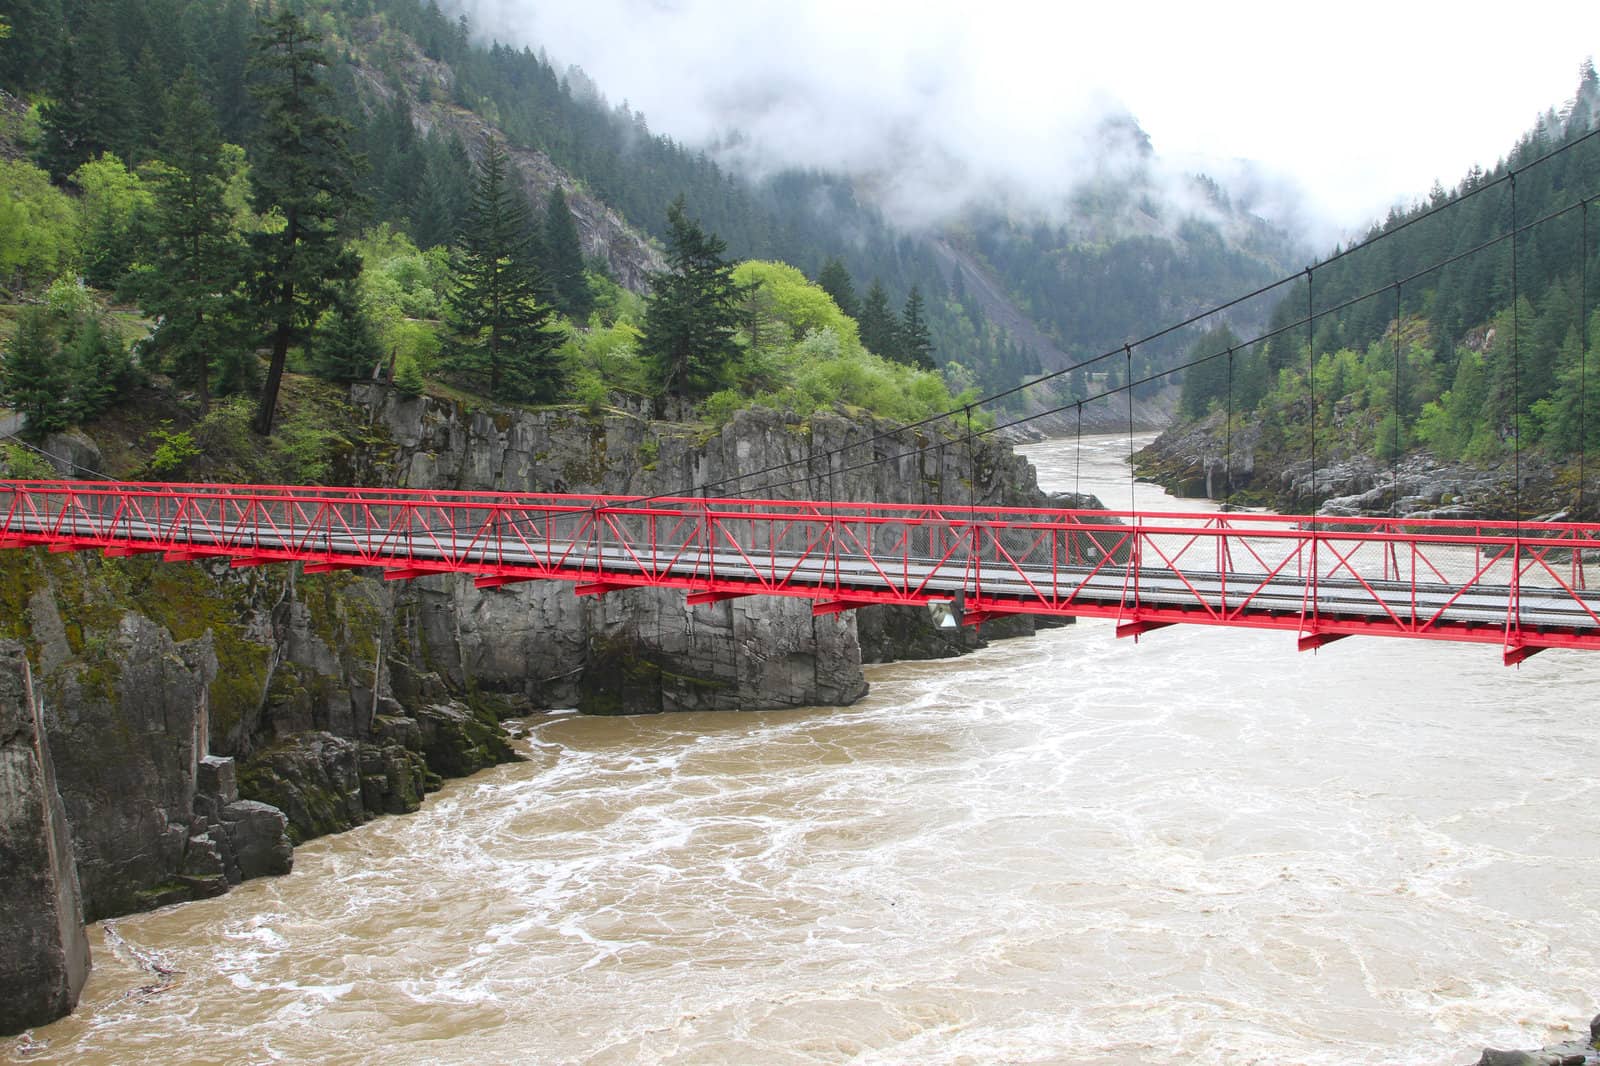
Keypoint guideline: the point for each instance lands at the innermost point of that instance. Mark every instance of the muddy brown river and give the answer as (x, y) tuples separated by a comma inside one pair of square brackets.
[(1201, 848)]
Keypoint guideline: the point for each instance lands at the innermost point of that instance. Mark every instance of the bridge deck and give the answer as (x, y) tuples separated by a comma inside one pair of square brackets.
[(1523, 586)]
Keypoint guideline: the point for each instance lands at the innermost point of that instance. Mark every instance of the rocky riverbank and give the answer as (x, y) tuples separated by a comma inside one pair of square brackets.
[(1251, 467), (1567, 1053), (204, 718)]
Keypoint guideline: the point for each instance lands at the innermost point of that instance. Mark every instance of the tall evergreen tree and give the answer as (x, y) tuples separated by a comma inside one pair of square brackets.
[(34, 378), (443, 193), (916, 346), (228, 55), (692, 313), (196, 265), (564, 257), (835, 281), (879, 330), (504, 340), (344, 346), (303, 173), (88, 110), (31, 46)]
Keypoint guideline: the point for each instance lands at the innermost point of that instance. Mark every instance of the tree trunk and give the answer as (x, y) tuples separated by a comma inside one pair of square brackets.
[(280, 354)]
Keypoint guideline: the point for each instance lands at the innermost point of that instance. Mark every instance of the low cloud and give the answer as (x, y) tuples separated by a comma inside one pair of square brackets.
[(937, 104)]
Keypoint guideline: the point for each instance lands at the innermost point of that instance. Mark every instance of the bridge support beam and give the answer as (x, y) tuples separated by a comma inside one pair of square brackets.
[(6, 542), (1514, 656), (837, 606), (1313, 641), (410, 573), (73, 546), (600, 588), (327, 568), (496, 581), (123, 551), (250, 560), (696, 599), (977, 618), (1140, 628)]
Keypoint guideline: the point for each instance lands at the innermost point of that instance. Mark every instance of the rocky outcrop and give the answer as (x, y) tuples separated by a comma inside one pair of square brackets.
[(1253, 467), (1569, 1053), (155, 819), (44, 955), (645, 650)]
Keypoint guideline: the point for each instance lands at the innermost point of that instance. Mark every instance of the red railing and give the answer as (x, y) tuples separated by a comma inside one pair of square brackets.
[(1523, 586)]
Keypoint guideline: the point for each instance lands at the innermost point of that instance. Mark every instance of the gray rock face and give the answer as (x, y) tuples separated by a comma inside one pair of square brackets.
[(44, 956), (645, 650), (146, 801)]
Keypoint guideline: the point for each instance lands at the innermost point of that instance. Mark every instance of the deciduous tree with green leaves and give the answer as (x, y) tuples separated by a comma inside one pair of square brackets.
[(303, 176)]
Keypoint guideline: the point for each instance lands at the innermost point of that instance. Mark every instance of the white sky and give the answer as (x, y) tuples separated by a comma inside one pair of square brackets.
[(1359, 104)]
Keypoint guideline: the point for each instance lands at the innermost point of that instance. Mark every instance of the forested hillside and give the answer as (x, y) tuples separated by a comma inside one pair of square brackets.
[(1463, 326), (247, 189)]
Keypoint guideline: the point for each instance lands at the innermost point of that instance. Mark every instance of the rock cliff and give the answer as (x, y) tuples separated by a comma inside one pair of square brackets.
[(44, 956)]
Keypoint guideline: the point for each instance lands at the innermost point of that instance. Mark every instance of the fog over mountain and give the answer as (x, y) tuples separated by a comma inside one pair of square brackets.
[(1318, 125)]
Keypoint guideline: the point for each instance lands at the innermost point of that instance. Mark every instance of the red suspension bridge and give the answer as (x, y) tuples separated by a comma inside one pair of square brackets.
[(1522, 586)]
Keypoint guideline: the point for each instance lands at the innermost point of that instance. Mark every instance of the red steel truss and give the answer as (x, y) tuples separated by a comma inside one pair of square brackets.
[(1522, 586)]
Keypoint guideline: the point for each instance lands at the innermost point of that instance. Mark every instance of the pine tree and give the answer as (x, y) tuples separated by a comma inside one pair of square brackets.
[(564, 258), (879, 331), (303, 172), (98, 368), (835, 281), (692, 312), (443, 192), (91, 111), (196, 259), (34, 378), (408, 379), (916, 346), (503, 338), (31, 47), (344, 346), (228, 58)]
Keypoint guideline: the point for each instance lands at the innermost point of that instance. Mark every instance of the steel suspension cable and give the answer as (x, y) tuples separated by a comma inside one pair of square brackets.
[(972, 467), (1077, 452), (1227, 450), (1477, 190), (1133, 503), (886, 435), (1583, 355), (1516, 366), (1394, 458), (1311, 379)]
